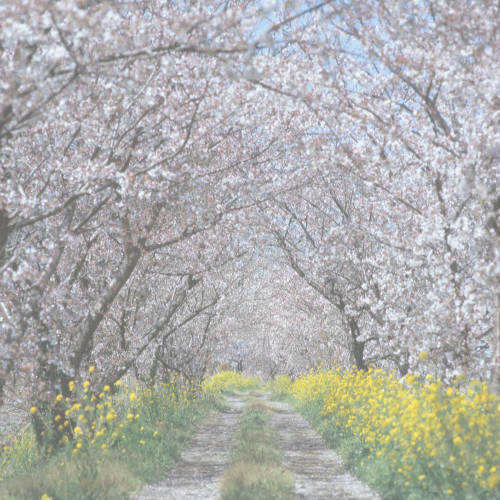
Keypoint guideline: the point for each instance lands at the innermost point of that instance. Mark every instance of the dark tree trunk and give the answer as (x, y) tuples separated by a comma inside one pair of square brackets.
[(358, 347)]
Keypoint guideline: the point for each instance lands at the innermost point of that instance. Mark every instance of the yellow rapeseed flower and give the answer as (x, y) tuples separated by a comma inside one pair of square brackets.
[(410, 420)]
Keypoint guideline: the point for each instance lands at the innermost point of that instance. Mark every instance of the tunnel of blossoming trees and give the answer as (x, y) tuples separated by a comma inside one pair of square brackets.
[(267, 185)]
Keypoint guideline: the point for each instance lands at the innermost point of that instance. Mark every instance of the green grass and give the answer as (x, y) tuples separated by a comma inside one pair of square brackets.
[(255, 472), (145, 447), (251, 481)]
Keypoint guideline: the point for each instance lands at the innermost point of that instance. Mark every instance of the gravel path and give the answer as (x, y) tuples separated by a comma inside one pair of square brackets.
[(318, 471), (196, 474)]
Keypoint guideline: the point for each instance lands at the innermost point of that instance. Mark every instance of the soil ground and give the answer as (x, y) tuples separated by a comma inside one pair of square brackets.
[(318, 471), (196, 474)]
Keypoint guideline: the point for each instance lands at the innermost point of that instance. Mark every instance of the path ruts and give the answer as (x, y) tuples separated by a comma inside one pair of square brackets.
[(196, 474), (319, 472)]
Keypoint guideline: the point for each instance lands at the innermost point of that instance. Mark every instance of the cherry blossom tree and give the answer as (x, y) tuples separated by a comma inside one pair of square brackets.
[(164, 164), (124, 134), (404, 97)]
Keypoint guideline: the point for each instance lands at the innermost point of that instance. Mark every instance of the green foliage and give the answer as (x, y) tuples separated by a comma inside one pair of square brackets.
[(134, 448)]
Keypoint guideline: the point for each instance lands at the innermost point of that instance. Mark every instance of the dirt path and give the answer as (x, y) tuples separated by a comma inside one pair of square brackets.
[(196, 474), (319, 471)]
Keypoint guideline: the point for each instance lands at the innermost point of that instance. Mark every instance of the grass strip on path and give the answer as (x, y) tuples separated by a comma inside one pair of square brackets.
[(256, 472)]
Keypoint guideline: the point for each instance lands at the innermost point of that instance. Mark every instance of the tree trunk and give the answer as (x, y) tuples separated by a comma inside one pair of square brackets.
[(358, 348), (495, 369)]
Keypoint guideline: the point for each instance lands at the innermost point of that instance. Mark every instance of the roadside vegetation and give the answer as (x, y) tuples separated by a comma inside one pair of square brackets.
[(407, 438), (279, 387), (102, 444), (230, 381), (256, 473)]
